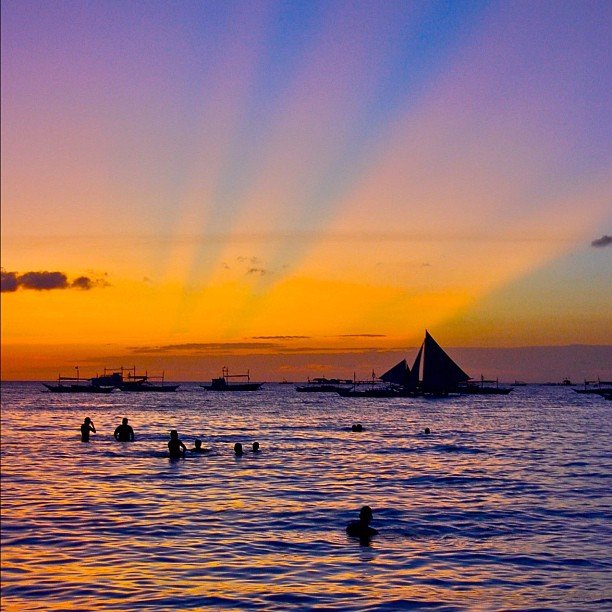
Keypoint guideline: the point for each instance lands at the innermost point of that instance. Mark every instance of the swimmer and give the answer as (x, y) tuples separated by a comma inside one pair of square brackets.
[(86, 427), (357, 427), (256, 447), (361, 529), (427, 431), (124, 432), (176, 448), (238, 449), (197, 447)]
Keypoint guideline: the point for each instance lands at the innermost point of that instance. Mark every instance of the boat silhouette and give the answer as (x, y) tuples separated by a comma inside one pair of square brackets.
[(223, 383)]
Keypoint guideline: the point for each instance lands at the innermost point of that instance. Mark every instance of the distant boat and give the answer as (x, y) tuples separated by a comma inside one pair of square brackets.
[(393, 383), (142, 384), (127, 380), (596, 387), (433, 373), (223, 383), (76, 384), (324, 385)]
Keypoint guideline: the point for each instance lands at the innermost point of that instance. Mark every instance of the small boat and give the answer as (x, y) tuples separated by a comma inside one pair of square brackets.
[(596, 387), (484, 387), (76, 384), (143, 384), (324, 385), (393, 383), (223, 383)]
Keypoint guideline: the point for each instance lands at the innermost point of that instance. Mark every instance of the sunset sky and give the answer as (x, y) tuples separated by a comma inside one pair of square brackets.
[(289, 186)]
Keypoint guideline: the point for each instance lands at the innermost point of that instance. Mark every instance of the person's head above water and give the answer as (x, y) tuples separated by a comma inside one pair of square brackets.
[(197, 443), (238, 448), (87, 420), (427, 430), (173, 433), (124, 420), (357, 427), (365, 515), (255, 447)]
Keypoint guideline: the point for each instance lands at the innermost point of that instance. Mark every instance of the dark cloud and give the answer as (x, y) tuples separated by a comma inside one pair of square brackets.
[(260, 271), (46, 281), (281, 337), (204, 347), (43, 281), (362, 336), (9, 281), (604, 241)]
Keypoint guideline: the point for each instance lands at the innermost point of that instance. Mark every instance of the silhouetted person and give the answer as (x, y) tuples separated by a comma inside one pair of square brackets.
[(361, 529), (86, 427), (256, 447), (175, 447), (427, 431), (197, 447), (357, 427), (124, 432), (238, 449)]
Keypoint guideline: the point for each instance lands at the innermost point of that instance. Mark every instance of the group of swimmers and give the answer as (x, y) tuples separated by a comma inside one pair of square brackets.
[(176, 448)]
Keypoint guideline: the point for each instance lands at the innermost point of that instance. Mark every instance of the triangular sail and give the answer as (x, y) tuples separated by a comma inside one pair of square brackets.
[(440, 373), (413, 378), (398, 374)]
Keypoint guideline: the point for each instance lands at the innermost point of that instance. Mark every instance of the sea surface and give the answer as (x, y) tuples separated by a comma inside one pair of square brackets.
[(506, 505)]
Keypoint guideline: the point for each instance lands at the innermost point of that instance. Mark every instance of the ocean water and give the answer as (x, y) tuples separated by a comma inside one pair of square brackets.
[(506, 505)]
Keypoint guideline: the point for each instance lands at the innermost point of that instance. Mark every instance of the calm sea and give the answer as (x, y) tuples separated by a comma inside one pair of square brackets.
[(505, 505)]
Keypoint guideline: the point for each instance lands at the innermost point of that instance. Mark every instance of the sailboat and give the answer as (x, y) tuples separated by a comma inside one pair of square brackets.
[(441, 375)]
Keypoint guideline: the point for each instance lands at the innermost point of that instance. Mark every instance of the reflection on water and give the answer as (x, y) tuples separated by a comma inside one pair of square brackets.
[(506, 504)]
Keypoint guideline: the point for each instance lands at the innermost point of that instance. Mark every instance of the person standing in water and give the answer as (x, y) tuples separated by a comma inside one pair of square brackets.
[(87, 427), (176, 448), (361, 529), (124, 432)]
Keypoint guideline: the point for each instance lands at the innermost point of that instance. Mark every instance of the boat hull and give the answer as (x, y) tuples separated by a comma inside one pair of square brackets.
[(78, 389), (234, 387)]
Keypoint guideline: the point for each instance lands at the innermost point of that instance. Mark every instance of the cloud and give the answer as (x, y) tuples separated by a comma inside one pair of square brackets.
[(604, 241), (46, 281), (362, 336), (9, 281), (281, 337), (203, 347), (260, 271)]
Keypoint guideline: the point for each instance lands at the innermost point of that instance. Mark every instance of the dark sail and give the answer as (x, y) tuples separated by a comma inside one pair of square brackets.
[(398, 374), (440, 373), (413, 378)]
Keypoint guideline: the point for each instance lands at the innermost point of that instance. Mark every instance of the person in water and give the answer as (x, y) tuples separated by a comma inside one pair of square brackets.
[(124, 432), (427, 431), (256, 447), (176, 448), (87, 427), (197, 447), (238, 449), (357, 427), (361, 529)]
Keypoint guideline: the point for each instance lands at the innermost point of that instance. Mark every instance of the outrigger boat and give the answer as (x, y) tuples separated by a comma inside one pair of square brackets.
[(223, 383), (596, 387), (126, 379), (76, 384), (324, 385)]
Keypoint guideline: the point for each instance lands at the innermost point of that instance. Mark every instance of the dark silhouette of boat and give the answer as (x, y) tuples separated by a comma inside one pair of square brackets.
[(596, 387), (121, 378), (76, 384), (324, 385), (134, 383), (433, 373), (223, 383)]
